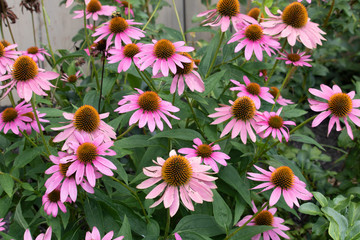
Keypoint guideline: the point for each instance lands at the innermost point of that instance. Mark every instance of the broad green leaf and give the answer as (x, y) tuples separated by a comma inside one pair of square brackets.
[(133, 142), (125, 229), (247, 232), (341, 202), (5, 203), (305, 139), (201, 224), (290, 111), (182, 134), (191, 235), (94, 214), (19, 218), (310, 209), (338, 223), (27, 156), (153, 230), (320, 198), (222, 212), (212, 81), (209, 55), (7, 183), (51, 112), (354, 231)]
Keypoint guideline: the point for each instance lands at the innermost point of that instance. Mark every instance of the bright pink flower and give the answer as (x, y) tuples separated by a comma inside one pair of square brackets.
[(69, 2), (2, 223), (294, 24), (225, 12), (252, 38), (177, 236), (126, 6), (95, 235), (42, 236), (179, 173), (296, 59), (71, 78), (36, 53), (121, 29), (125, 55), (150, 109), (33, 123), (284, 181), (207, 153), (164, 55), (86, 121), (274, 91), (15, 118), (7, 57), (94, 9), (242, 112), (253, 91), (51, 202), (28, 78), (340, 105), (273, 124), (266, 217)]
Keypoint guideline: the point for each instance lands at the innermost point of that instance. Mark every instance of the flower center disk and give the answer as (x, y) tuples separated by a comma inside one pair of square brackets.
[(176, 171), (164, 49), (149, 101), (29, 115), (253, 88), (294, 57), (254, 13), (87, 119), (64, 167), (243, 108), (274, 91), (204, 151), (130, 50), (118, 25), (86, 152), (340, 104), (93, 6), (9, 115), (24, 69), (295, 15), (54, 196), (253, 32), (72, 78), (283, 177), (2, 50), (228, 8), (276, 122), (126, 4), (5, 43), (33, 50), (188, 67), (264, 218)]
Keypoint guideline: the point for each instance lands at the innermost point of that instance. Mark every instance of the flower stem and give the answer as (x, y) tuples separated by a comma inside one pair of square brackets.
[(167, 227), (178, 19), (126, 131), (146, 80), (102, 79), (152, 15), (194, 116), (275, 64), (28, 138), (222, 139), (47, 32), (329, 14), (129, 9), (215, 55), (10, 31), (2, 30), (33, 26)]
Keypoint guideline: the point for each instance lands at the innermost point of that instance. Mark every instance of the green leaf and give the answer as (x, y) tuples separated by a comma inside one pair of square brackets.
[(5, 203), (27, 156), (94, 214), (212, 81), (341, 202), (19, 218), (320, 198), (133, 142), (290, 111), (247, 232), (153, 230), (192, 235), (201, 224), (51, 112), (305, 139), (182, 134), (7, 183), (310, 209), (338, 223), (125, 229), (222, 212), (209, 54)]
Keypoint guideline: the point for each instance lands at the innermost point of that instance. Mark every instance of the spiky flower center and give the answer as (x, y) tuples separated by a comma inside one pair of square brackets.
[(340, 104), (54, 196), (72, 79), (33, 50), (188, 67), (295, 15), (253, 32), (275, 122), (24, 69), (164, 49), (204, 151), (197, 62), (126, 4), (294, 57), (176, 171), (283, 177), (149, 101), (243, 108), (64, 167), (130, 50), (86, 152), (93, 6), (118, 25), (29, 115), (5, 43), (254, 13), (274, 91), (264, 218), (253, 88), (9, 115), (228, 8), (87, 119), (2, 50), (100, 45)]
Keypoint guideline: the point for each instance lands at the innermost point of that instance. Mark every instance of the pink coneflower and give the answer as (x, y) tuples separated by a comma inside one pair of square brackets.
[(121, 29), (296, 59), (274, 91), (150, 109), (2, 223), (266, 218), (273, 124), (284, 181), (86, 121), (7, 57), (58, 179), (164, 55), (207, 153), (28, 78), (36, 53), (242, 112), (52, 201), (253, 39), (42, 236), (126, 6), (225, 12), (294, 24), (95, 235), (15, 118), (33, 123), (71, 78), (94, 9), (253, 91), (179, 173), (340, 105), (125, 55), (87, 158), (69, 2)]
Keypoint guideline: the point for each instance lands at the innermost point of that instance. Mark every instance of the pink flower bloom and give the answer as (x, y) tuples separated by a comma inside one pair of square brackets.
[(177, 236), (226, 11), (87, 158), (15, 118), (242, 112), (150, 109), (284, 181), (207, 153), (95, 235), (7, 57), (266, 217), (125, 55), (273, 124), (274, 91), (296, 59), (2, 223), (71, 78), (94, 9), (28, 78), (253, 91), (121, 29), (33, 123), (340, 105), (254, 41), (126, 6), (294, 24), (86, 121), (42, 236), (36, 53), (164, 55), (179, 173), (69, 2), (51, 202), (263, 73), (309, 1)]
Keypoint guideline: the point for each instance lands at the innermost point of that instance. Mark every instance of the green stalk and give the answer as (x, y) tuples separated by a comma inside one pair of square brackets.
[(47, 32), (216, 53), (194, 116), (10, 31), (2, 30), (167, 227), (102, 79), (275, 64), (178, 19), (33, 26), (146, 79), (127, 131), (152, 15)]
